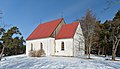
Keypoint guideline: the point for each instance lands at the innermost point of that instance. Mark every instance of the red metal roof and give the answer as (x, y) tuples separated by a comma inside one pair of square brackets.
[(44, 30), (67, 30)]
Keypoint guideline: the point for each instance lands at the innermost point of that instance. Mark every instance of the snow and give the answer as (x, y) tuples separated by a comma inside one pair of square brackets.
[(25, 62)]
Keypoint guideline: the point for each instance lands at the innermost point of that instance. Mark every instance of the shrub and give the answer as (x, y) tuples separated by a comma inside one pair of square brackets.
[(37, 53), (42, 52), (32, 53)]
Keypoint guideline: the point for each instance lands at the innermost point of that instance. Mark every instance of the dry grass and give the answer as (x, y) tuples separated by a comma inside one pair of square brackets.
[(32, 53), (37, 53)]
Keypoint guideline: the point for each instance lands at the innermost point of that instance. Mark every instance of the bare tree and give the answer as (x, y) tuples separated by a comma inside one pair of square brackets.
[(88, 27), (115, 33), (115, 37)]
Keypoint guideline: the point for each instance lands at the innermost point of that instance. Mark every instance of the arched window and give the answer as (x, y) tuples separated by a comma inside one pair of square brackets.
[(31, 47), (41, 46), (62, 46)]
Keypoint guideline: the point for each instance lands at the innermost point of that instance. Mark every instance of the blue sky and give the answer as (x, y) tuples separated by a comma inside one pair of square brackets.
[(27, 14)]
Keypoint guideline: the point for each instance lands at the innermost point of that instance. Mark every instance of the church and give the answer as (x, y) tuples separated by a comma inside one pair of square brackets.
[(57, 38)]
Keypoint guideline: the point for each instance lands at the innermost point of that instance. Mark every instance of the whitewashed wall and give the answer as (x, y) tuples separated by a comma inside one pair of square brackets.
[(48, 45), (79, 42), (68, 47)]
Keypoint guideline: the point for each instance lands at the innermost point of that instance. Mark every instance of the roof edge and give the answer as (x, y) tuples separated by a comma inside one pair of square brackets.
[(44, 23)]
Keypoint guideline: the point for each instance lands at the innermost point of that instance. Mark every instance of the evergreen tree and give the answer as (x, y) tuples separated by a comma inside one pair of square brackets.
[(117, 16), (12, 45)]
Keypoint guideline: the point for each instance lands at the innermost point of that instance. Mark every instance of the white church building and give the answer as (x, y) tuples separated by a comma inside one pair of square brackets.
[(57, 38)]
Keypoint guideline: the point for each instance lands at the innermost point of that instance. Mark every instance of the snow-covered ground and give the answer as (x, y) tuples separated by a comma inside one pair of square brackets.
[(24, 62)]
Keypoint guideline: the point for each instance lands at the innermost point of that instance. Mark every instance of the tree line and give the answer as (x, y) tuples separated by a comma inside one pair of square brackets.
[(101, 38)]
